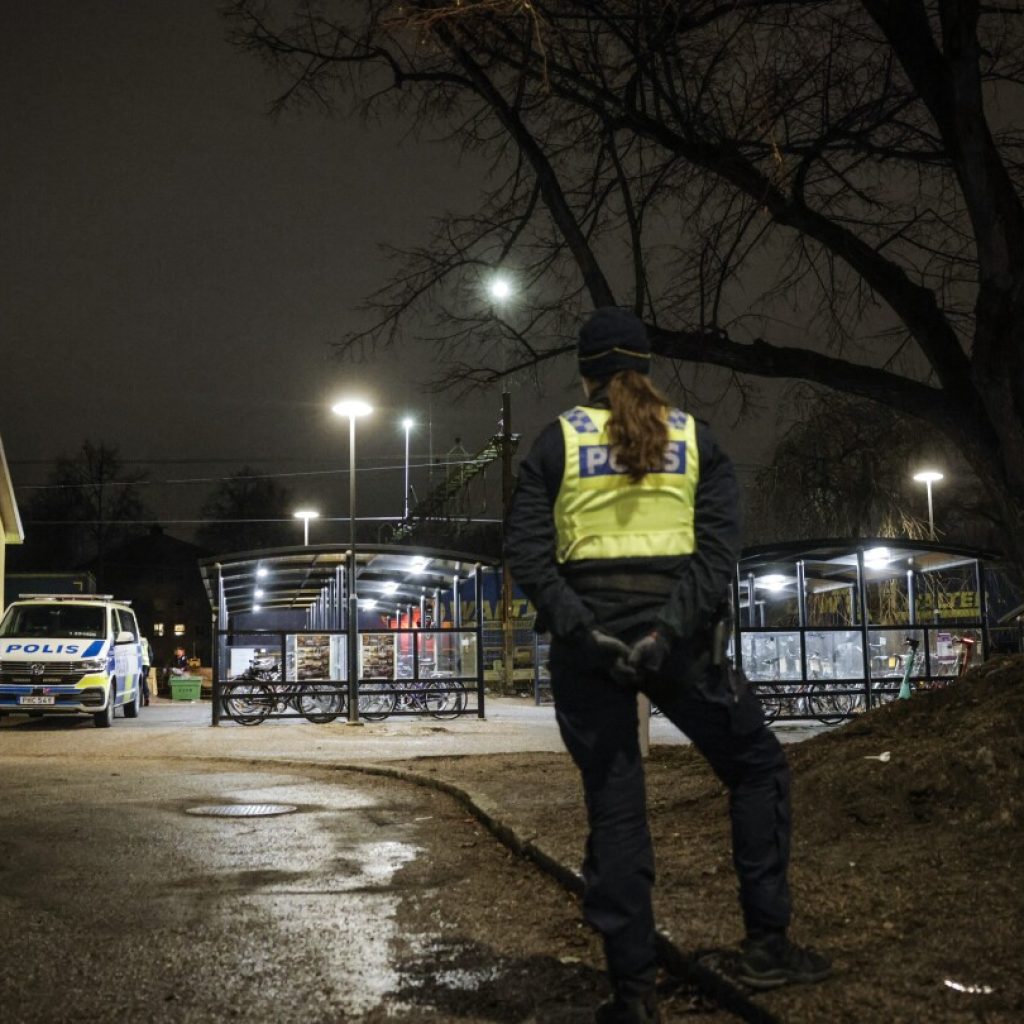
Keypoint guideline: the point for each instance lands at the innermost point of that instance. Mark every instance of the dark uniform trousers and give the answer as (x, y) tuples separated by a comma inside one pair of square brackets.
[(598, 722)]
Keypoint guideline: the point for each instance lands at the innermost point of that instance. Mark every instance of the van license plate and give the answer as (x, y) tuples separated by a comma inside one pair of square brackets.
[(37, 700)]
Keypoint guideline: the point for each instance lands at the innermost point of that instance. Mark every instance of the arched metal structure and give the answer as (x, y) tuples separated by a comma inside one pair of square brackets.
[(289, 607), (842, 617)]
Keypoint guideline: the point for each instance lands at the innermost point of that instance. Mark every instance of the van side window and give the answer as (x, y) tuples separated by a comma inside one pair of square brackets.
[(126, 623)]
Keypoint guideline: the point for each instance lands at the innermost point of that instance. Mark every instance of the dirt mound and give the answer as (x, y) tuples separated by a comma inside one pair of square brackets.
[(954, 754), (906, 871)]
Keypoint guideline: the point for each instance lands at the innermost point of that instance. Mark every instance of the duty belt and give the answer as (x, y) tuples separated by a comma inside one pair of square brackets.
[(655, 584)]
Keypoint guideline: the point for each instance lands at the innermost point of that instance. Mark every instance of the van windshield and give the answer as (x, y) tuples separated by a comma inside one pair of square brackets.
[(54, 620)]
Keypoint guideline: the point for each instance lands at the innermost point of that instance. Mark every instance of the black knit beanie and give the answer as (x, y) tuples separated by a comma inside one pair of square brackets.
[(611, 340)]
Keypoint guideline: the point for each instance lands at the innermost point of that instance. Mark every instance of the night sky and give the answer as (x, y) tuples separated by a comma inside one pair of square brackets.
[(176, 263)]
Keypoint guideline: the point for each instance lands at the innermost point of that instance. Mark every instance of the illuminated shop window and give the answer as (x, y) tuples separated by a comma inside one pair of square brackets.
[(179, 629), (158, 629)]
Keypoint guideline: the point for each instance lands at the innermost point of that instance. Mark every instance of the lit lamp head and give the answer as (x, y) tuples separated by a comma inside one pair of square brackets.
[(929, 477), (877, 558), (408, 423), (499, 288), (305, 514), (352, 408)]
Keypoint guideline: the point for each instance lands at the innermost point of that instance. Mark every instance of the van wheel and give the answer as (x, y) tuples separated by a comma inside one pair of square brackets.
[(105, 719), (131, 709)]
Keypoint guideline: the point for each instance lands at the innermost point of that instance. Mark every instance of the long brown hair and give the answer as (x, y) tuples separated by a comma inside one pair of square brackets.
[(638, 428)]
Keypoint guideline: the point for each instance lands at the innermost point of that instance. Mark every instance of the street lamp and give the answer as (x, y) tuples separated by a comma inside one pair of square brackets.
[(408, 423), (305, 514), (352, 409), (499, 288), (929, 477)]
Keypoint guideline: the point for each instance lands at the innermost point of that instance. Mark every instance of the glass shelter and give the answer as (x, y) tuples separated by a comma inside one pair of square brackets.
[(827, 628), (283, 634)]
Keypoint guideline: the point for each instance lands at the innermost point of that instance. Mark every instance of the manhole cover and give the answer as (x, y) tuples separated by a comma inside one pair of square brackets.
[(242, 810)]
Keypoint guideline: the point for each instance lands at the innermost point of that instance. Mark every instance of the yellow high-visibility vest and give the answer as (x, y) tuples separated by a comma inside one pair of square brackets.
[(601, 513)]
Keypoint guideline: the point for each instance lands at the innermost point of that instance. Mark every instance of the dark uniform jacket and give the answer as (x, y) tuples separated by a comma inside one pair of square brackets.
[(679, 594)]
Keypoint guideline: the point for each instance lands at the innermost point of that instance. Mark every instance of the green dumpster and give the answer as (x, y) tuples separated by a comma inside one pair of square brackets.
[(186, 687)]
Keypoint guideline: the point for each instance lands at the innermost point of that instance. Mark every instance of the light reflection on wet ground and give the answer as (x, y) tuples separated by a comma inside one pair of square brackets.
[(290, 871), (116, 905)]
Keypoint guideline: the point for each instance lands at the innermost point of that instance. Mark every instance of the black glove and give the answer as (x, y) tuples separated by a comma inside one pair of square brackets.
[(610, 654), (649, 654)]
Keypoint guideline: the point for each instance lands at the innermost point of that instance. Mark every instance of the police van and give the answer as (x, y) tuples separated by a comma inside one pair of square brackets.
[(70, 655)]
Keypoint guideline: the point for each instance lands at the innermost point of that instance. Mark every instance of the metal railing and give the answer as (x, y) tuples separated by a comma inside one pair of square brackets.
[(798, 681), (303, 673)]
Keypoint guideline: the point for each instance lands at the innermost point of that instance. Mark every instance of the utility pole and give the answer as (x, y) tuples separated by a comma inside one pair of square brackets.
[(508, 647)]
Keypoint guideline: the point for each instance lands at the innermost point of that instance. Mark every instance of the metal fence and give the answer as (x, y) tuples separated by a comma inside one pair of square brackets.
[(825, 674), (276, 674), (794, 681)]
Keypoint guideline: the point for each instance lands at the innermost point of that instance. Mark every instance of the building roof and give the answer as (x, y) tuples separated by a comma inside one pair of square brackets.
[(10, 520), (155, 549)]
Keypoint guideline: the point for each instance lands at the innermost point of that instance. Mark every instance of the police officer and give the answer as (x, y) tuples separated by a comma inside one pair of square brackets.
[(624, 533), (147, 664)]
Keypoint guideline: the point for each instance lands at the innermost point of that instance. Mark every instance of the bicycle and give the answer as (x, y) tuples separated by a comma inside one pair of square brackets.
[(443, 699), (257, 696), (813, 698), (779, 696)]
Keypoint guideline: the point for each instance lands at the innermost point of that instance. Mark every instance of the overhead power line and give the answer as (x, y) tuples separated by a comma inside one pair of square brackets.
[(235, 476), (232, 522)]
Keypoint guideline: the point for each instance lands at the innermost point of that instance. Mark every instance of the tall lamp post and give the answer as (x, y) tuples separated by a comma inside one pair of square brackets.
[(305, 514), (500, 290), (352, 408), (408, 423), (929, 477)]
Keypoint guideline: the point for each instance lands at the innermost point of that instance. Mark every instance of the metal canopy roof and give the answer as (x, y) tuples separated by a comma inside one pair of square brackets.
[(833, 563), (295, 577)]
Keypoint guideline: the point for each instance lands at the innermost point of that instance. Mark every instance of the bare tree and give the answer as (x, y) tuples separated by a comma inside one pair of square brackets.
[(82, 511), (826, 191), (841, 470), (245, 512)]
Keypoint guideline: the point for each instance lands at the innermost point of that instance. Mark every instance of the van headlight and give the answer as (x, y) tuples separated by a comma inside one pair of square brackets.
[(91, 665)]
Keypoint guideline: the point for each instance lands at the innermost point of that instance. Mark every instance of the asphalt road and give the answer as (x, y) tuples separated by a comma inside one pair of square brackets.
[(374, 901), (116, 904)]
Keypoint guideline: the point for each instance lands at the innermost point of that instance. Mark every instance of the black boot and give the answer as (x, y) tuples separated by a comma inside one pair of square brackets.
[(769, 960)]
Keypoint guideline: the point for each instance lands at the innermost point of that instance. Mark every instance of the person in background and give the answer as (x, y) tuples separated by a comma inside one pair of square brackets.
[(147, 664), (624, 533), (177, 666)]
